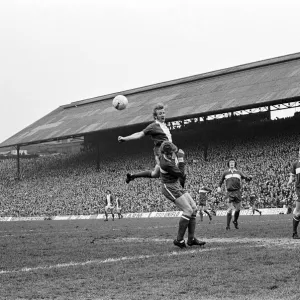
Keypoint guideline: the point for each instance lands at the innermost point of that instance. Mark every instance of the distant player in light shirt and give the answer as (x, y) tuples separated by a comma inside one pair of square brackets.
[(159, 132), (109, 208)]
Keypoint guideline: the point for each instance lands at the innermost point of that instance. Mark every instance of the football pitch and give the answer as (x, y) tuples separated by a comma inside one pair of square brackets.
[(136, 259)]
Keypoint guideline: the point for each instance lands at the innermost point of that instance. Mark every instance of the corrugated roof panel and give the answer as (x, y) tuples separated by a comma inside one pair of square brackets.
[(51, 134), (294, 72), (65, 131), (205, 107), (162, 99), (228, 103), (91, 127), (184, 110)]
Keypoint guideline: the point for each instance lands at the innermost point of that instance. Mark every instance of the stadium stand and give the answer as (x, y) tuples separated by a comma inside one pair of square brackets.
[(71, 185)]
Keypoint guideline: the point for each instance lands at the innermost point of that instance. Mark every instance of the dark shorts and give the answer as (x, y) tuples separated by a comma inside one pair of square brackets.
[(203, 203), (202, 207), (172, 191), (298, 195), (234, 196)]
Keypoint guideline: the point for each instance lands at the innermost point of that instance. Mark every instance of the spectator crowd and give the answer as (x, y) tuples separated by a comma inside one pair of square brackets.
[(70, 184)]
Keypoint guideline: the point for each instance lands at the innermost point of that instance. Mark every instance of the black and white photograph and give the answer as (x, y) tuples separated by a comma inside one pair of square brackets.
[(149, 149)]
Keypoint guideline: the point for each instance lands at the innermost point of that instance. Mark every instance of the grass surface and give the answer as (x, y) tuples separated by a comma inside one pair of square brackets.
[(136, 259)]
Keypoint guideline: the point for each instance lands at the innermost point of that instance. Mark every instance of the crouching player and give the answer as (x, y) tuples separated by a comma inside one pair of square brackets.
[(172, 176)]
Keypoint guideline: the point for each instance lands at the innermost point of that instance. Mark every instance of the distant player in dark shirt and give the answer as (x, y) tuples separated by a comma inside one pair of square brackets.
[(170, 174), (119, 208), (253, 203), (203, 199), (159, 132), (233, 178), (295, 175)]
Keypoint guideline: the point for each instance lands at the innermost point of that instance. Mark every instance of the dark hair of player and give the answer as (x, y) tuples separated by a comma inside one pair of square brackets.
[(168, 148), (232, 159)]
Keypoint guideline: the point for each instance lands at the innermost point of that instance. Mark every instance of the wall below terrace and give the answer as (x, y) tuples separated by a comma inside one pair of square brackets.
[(168, 214)]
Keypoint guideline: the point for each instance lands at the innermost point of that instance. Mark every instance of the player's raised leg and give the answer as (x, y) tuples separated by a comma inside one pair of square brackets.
[(144, 174)]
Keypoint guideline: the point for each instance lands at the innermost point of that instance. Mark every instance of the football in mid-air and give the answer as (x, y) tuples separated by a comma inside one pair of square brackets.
[(120, 102)]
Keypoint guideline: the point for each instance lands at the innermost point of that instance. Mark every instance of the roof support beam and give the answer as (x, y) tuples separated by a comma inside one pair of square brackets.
[(18, 162)]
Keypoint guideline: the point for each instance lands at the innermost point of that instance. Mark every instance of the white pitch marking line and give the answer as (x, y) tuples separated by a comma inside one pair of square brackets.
[(110, 260), (43, 233), (260, 242)]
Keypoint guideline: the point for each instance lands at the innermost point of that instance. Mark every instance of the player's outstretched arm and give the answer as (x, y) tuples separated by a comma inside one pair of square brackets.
[(181, 166), (134, 136), (247, 178), (181, 160)]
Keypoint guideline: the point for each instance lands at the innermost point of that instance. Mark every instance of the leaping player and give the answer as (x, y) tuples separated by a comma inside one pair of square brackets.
[(159, 132)]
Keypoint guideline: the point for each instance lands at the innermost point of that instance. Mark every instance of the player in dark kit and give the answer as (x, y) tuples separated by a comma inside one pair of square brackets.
[(203, 192), (295, 174), (119, 208), (233, 178), (170, 174), (253, 203), (159, 132)]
